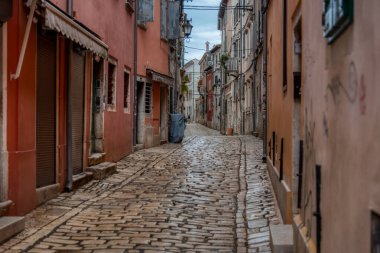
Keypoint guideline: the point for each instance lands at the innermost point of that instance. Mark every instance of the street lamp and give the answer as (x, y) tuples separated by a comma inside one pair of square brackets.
[(187, 28)]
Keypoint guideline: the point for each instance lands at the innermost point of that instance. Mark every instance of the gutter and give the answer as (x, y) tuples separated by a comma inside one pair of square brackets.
[(69, 178)]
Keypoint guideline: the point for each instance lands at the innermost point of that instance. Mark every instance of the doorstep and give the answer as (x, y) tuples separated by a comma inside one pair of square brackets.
[(281, 238), (103, 170), (10, 226)]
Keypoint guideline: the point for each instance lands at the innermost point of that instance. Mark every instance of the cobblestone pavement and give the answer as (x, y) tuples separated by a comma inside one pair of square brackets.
[(209, 194), (194, 129)]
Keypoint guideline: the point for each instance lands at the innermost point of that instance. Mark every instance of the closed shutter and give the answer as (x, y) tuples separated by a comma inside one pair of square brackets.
[(77, 107), (46, 110)]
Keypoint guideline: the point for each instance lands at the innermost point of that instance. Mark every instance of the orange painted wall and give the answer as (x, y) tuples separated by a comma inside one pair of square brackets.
[(21, 115), (153, 52), (280, 102)]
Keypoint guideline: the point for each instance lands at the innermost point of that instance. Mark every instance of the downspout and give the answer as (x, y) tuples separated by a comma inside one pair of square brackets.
[(253, 91), (69, 178), (265, 95), (25, 41), (284, 47), (135, 76)]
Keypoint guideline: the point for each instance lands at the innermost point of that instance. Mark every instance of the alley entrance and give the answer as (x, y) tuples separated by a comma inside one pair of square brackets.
[(46, 108)]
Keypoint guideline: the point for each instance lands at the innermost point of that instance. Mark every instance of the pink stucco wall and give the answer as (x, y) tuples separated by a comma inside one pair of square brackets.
[(114, 24)]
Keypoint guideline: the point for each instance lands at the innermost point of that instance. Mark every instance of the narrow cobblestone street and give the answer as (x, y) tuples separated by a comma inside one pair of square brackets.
[(208, 194)]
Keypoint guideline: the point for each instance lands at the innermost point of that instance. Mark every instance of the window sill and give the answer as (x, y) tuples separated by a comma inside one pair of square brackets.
[(142, 26), (111, 108)]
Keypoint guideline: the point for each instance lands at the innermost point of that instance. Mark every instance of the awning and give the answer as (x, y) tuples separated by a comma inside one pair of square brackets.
[(57, 20), (160, 77)]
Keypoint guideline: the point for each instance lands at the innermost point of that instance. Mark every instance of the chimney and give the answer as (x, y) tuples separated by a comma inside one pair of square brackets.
[(207, 46)]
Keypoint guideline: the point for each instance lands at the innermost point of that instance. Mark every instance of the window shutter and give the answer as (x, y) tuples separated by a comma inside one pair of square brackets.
[(164, 18), (173, 19), (145, 11)]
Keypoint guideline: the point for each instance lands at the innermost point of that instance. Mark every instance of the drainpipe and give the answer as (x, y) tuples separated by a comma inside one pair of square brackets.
[(253, 92), (284, 47), (265, 104), (135, 77), (69, 178)]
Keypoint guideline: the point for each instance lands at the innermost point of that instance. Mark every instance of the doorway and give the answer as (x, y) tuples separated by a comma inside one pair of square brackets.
[(297, 114), (3, 80), (77, 107), (140, 112), (46, 108), (163, 114), (96, 114)]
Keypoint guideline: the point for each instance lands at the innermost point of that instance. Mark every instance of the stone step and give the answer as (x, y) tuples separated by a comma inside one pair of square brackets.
[(81, 179), (281, 238), (96, 158), (102, 170), (10, 226), (4, 206), (138, 147)]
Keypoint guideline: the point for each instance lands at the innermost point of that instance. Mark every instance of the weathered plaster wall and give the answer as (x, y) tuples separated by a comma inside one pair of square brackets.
[(341, 127)]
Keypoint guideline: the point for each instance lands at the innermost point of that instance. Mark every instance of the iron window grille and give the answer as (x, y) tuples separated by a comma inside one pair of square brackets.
[(148, 98)]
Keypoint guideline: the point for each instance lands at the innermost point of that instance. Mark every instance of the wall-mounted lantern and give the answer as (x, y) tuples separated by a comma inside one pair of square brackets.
[(187, 28)]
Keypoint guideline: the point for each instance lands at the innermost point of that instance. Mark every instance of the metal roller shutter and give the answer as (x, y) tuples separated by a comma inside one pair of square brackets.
[(77, 99), (46, 110)]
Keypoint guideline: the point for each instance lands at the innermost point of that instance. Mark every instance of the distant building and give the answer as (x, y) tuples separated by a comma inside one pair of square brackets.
[(192, 71)]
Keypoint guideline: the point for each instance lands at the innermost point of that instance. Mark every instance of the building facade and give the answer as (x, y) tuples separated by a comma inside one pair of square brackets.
[(192, 71), (67, 91)]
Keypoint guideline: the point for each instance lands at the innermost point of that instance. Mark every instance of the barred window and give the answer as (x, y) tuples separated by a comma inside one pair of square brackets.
[(148, 98)]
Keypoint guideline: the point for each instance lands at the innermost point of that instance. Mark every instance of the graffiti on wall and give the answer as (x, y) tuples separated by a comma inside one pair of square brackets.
[(347, 90)]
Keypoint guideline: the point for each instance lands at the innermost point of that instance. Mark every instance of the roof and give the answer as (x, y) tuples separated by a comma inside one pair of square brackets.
[(215, 48), (191, 62)]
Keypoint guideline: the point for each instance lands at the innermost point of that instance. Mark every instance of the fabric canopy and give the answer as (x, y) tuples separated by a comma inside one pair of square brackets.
[(59, 21), (160, 77)]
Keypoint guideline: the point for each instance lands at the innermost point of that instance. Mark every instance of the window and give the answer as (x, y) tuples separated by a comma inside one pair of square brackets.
[(148, 98), (337, 16), (111, 88), (236, 13), (126, 92)]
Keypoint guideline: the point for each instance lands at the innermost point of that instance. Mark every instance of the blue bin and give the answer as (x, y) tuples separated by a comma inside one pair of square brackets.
[(176, 128)]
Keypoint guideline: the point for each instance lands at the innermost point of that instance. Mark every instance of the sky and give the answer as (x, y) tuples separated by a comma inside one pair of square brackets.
[(205, 28)]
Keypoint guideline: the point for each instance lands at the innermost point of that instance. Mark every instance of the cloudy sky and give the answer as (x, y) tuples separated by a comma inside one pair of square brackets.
[(205, 28)]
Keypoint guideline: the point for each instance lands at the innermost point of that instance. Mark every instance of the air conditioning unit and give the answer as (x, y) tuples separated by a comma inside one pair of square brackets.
[(233, 65)]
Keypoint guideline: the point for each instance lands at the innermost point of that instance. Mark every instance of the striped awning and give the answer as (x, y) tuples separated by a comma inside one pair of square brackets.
[(58, 20)]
